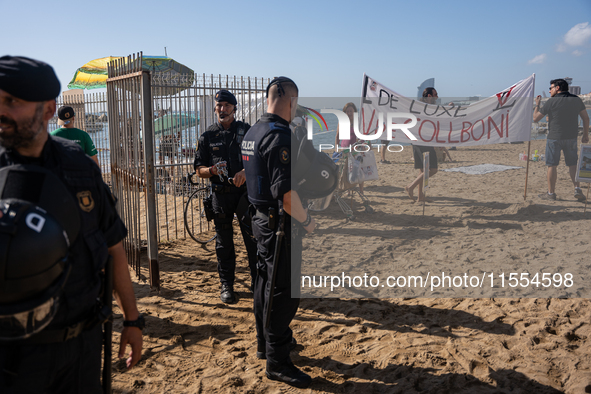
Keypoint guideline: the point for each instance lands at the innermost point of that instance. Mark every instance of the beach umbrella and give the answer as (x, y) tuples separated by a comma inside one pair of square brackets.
[(93, 74)]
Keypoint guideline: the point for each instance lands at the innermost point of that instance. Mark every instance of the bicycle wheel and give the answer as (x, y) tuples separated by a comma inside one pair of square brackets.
[(196, 223)]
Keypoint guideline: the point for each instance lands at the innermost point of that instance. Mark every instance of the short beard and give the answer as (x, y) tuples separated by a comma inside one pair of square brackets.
[(23, 135)]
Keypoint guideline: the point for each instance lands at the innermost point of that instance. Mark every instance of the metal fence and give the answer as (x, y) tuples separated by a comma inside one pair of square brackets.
[(179, 120), (129, 112), (132, 154)]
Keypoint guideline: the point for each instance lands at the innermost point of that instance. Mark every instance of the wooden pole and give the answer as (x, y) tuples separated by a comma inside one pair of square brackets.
[(526, 170), (426, 170), (529, 144)]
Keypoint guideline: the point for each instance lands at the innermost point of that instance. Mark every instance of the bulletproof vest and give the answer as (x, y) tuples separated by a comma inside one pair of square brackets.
[(257, 181), (224, 145), (89, 252)]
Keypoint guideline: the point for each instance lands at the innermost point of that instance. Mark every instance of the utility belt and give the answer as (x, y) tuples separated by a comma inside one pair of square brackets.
[(226, 189), (268, 214), (101, 314), (54, 336), (59, 335)]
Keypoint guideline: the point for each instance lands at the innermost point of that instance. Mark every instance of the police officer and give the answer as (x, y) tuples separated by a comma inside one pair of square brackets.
[(267, 161), (65, 356), (220, 144)]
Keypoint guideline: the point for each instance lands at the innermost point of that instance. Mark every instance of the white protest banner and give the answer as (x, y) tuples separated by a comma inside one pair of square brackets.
[(504, 117)]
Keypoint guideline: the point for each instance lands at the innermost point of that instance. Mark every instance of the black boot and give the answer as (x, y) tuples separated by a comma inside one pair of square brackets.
[(290, 374), (227, 295)]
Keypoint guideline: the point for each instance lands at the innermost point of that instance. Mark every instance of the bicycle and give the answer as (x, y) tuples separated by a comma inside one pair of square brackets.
[(204, 236), (196, 198)]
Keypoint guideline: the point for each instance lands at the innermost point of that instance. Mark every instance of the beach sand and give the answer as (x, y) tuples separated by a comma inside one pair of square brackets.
[(448, 342)]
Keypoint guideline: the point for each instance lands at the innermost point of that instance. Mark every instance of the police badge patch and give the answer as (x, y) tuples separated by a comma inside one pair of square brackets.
[(85, 201), (284, 156)]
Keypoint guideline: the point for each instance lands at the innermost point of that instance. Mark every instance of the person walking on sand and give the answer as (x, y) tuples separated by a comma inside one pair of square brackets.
[(563, 110), (430, 97)]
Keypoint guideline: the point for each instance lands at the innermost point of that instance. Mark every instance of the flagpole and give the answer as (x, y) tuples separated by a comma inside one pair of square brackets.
[(529, 147), (426, 171), (526, 170)]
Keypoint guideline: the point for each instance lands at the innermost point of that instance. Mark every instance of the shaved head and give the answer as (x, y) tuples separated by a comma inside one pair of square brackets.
[(283, 91), (282, 96)]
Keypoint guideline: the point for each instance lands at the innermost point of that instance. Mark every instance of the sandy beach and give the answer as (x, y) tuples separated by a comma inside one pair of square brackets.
[(458, 340)]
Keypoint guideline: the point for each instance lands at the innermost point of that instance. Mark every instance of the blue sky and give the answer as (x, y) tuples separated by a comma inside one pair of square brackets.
[(469, 47)]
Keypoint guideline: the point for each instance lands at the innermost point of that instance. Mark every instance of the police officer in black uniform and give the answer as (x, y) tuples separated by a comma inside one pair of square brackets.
[(64, 357), (221, 144), (267, 161)]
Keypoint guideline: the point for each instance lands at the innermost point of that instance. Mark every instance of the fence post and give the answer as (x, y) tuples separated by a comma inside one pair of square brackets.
[(150, 184)]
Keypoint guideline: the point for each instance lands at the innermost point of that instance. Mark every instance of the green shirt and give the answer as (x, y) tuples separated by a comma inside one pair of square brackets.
[(79, 136)]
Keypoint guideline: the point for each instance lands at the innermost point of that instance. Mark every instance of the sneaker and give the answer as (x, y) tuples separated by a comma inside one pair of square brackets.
[(385, 162), (547, 196), (262, 351), (227, 295), (290, 374), (579, 194)]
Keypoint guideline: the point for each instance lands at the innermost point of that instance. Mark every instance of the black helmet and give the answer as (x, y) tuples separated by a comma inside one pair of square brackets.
[(314, 173), (35, 237), (33, 268)]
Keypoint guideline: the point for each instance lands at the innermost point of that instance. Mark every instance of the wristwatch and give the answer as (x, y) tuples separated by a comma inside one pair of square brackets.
[(140, 322)]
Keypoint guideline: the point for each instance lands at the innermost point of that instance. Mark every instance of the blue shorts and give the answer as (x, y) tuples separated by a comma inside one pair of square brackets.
[(569, 147)]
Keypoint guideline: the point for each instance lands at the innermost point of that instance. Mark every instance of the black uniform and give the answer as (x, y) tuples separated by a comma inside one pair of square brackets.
[(266, 156), (216, 145), (73, 365)]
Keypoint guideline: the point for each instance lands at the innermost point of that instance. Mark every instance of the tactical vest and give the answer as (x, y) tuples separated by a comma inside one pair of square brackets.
[(257, 179), (223, 147), (88, 254)]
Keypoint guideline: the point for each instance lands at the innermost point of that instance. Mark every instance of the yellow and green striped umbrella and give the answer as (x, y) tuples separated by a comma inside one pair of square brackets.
[(93, 74)]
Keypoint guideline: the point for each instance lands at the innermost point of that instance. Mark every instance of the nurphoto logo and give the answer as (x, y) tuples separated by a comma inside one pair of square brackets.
[(388, 127)]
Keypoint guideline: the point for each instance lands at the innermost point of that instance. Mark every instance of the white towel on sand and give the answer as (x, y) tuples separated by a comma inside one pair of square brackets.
[(481, 169)]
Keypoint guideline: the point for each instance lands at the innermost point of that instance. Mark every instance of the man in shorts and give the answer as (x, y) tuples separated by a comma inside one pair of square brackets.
[(563, 110), (430, 97)]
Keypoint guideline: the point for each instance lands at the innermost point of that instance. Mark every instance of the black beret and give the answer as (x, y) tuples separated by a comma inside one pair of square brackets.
[(224, 95), (28, 79)]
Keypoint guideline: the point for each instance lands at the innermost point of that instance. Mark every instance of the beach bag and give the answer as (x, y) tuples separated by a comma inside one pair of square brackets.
[(354, 173), (369, 167)]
